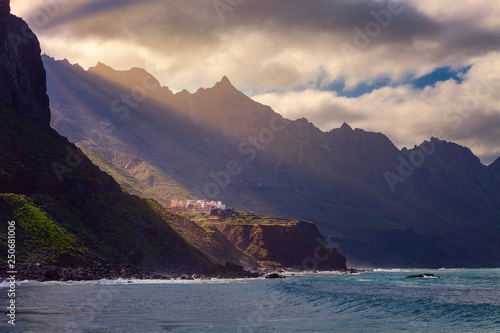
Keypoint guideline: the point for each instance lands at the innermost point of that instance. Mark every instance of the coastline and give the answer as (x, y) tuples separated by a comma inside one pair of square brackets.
[(104, 270)]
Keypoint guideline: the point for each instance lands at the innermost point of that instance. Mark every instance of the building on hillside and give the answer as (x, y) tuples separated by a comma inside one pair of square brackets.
[(198, 206)]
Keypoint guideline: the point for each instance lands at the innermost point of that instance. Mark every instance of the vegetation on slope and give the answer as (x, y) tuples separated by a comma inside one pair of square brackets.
[(211, 242)]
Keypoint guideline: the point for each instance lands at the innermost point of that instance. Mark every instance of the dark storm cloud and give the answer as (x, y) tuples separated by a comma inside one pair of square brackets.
[(480, 131), (286, 50), (175, 19), (192, 30)]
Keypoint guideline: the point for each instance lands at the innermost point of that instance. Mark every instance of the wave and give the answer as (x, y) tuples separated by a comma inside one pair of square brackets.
[(397, 270), (120, 281)]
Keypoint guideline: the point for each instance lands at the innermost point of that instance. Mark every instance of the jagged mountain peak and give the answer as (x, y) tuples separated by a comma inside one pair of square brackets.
[(345, 126), (224, 83), (453, 151), (130, 78), (101, 68)]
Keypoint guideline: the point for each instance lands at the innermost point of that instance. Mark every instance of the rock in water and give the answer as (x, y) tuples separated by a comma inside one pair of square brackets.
[(423, 276), (275, 276)]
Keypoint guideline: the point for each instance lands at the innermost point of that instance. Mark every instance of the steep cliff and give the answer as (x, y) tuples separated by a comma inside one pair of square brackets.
[(296, 244), (67, 211), (22, 85)]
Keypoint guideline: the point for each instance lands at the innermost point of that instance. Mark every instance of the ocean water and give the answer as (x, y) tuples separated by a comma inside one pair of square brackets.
[(381, 301)]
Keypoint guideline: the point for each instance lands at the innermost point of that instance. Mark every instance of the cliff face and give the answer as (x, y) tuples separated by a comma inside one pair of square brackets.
[(22, 75), (293, 244), (34, 159), (66, 209)]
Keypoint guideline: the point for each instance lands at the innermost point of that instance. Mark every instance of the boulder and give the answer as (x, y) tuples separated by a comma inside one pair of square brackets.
[(275, 276), (421, 276)]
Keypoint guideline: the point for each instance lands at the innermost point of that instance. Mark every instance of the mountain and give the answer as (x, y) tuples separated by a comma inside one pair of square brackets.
[(434, 205), (67, 211), (74, 221)]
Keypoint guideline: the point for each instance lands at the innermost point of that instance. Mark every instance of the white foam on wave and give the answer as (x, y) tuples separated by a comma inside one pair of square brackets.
[(136, 282), (5, 284), (400, 270), (309, 273)]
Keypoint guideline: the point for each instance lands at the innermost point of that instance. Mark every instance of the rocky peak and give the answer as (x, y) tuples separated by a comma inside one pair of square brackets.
[(131, 78), (450, 152), (224, 84), (102, 69), (346, 127), (22, 75), (225, 81)]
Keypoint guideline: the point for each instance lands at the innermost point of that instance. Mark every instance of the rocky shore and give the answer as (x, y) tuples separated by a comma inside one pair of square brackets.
[(97, 270)]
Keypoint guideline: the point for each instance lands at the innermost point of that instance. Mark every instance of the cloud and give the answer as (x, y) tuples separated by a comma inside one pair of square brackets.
[(467, 113), (265, 45), (287, 52)]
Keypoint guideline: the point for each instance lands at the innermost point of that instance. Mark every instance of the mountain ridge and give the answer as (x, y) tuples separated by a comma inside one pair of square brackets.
[(357, 186), (73, 220)]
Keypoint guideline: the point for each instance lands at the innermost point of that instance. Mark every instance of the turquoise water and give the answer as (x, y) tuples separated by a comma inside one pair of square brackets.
[(380, 301)]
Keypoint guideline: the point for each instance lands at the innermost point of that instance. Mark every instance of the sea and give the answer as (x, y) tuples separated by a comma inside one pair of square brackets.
[(462, 300)]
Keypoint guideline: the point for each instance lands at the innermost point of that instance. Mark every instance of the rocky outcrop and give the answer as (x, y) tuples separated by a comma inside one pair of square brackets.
[(294, 244), (275, 276), (423, 276), (22, 75), (33, 158), (103, 269)]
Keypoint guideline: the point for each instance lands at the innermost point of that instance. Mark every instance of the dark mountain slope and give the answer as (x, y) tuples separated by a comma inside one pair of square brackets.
[(496, 165)]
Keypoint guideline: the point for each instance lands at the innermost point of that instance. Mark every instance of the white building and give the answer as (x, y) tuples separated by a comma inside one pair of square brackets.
[(198, 206)]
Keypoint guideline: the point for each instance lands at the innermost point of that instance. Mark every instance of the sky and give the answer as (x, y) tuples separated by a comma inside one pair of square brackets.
[(409, 69)]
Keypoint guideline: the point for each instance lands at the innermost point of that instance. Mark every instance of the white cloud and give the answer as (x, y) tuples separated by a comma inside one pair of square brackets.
[(467, 113)]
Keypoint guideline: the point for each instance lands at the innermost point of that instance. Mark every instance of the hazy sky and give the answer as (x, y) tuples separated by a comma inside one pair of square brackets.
[(408, 69)]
